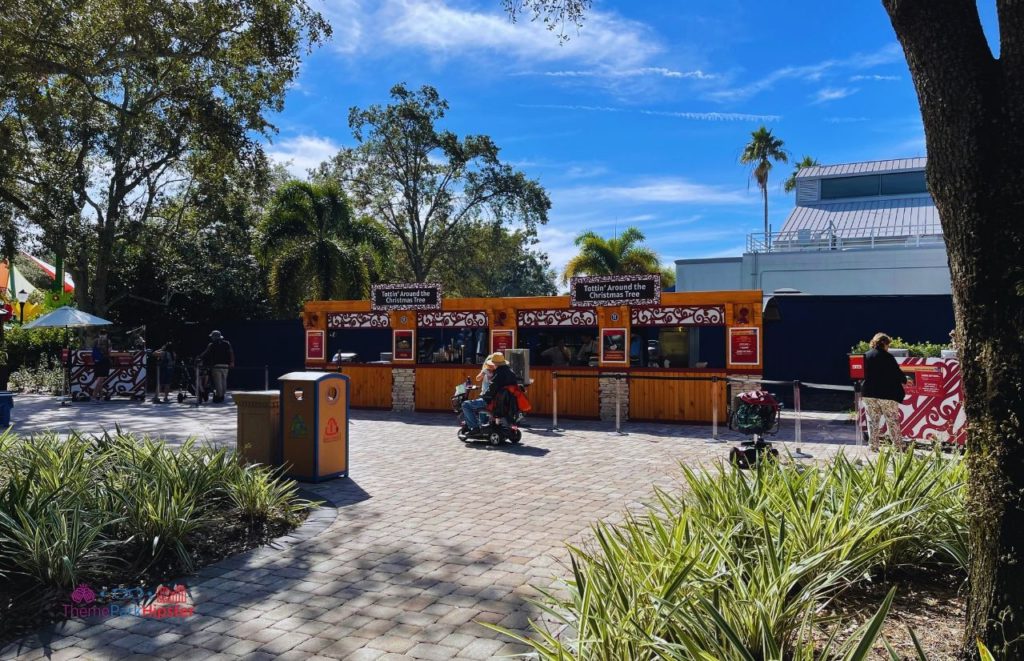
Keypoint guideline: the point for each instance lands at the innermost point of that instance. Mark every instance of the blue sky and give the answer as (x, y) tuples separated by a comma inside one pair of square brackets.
[(640, 118)]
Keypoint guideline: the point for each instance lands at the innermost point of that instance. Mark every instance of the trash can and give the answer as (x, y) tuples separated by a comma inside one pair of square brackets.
[(6, 404), (314, 425), (259, 426)]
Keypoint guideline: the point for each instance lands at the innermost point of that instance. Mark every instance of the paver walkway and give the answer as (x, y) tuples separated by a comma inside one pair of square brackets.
[(431, 538)]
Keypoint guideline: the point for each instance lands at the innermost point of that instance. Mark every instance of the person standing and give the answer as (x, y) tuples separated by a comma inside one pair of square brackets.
[(167, 360), (220, 357), (100, 365), (882, 392)]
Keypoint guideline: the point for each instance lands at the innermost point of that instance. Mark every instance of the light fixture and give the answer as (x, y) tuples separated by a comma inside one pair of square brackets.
[(22, 299)]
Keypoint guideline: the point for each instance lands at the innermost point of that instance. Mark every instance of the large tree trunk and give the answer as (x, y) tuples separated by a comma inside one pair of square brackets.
[(973, 111)]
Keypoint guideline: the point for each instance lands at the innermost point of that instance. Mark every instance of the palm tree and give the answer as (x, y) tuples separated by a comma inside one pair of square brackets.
[(618, 256), (805, 162), (759, 153), (314, 248)]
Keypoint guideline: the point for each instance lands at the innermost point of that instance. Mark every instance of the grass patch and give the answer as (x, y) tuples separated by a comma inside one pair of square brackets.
[(115, 511), (745, 565)]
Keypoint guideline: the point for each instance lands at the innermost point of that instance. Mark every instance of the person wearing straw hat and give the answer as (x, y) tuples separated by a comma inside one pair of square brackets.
[(471, 408)]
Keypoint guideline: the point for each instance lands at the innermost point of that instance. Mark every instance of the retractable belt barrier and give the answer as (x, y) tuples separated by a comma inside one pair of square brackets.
[(796, 385)]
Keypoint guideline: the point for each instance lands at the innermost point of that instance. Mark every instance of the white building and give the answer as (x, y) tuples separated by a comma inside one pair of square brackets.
[(857, 228)]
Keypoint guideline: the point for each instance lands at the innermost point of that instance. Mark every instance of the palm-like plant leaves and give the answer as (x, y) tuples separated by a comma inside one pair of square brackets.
[(759, 153), (314, 248), (617, 256)]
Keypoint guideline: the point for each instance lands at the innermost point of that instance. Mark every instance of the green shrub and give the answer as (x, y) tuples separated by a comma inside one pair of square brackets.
[(39, 380), (918, 350), (77, 507), (33, 347), (738, 565)]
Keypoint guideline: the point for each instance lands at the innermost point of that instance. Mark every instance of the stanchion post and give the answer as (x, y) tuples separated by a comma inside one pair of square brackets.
[(714, 408), (196, 402), (554, 401), (800, 454), (266, 377), (858, 435), (156, 395), (618, 403)]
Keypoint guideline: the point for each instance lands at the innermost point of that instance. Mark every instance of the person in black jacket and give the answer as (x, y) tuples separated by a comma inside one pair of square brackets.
[(220, 357), (882, 391)]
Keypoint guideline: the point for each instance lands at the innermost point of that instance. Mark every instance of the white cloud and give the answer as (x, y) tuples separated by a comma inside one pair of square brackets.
[(810, 72), (845, 120), (715, 116), (302, 153), (873, 77), (696, 116), (443, 30), (585, 171), (661, 190), (611, 72), (558, 244), (827, 94)]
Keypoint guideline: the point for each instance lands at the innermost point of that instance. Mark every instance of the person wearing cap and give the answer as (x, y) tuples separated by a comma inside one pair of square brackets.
[(220, 357)]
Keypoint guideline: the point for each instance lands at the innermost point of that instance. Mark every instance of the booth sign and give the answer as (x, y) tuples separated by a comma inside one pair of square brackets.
[(414, 296), (615, 290)]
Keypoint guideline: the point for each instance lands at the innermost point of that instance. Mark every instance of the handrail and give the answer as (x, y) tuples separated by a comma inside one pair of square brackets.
[(871, 237)]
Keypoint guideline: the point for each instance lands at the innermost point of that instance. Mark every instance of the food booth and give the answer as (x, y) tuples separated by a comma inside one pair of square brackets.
[(408, 347)]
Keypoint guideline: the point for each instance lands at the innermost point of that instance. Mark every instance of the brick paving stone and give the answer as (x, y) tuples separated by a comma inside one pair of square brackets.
[(429, 554), (342, 648), (367, 654), (394, 644), (243, 648), (284, 643), (432, 652)]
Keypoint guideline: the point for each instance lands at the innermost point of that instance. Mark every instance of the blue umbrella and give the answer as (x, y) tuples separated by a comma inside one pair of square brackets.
[(68, 317)]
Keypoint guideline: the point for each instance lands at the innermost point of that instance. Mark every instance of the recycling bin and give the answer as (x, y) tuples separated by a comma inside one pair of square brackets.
[(6, 404), (259, 428), (314, 425)]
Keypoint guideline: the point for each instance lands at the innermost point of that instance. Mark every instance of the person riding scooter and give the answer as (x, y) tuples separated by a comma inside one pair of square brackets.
[(503, 376)]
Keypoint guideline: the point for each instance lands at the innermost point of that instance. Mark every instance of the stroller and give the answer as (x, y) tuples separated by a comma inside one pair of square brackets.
[(185, 381), (756, 413), (500, 420)]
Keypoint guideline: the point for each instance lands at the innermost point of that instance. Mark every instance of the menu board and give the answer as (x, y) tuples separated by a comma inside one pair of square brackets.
[(404, 345), (613, 345), (502, 340), (744, 346), (315, 340)]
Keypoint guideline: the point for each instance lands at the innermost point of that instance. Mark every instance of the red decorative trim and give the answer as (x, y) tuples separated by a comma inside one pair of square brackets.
[(932, 417), (475, 319), (557, 317), (127, 374), (358, 320), (704, 315)]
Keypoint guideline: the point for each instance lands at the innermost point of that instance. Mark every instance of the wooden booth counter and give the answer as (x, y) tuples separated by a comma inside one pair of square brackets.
[(674, 354)]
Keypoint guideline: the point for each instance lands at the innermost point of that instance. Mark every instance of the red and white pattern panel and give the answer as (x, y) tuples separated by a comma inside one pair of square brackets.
[(127, 374), (452, 319), (933, 409), (358, 320), (547, 318), (705, 315)]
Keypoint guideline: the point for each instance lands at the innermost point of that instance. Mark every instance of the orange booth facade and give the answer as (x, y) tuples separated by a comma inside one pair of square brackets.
[(409, 359)]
